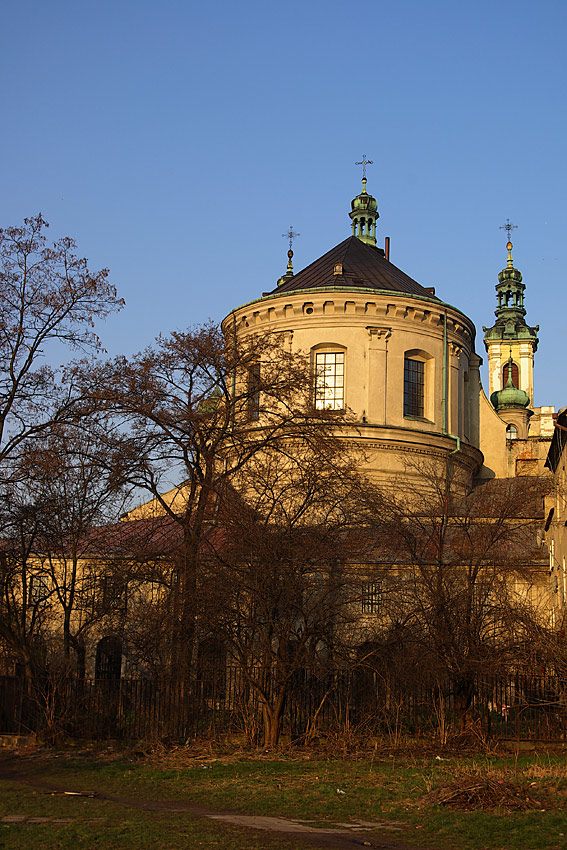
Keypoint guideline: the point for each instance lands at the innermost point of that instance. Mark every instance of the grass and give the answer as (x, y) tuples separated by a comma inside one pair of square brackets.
[(299, 785), (106, 825)]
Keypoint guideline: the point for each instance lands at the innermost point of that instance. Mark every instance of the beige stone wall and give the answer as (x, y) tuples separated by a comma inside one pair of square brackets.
[(376, 331), (176, 499), (492, 440)]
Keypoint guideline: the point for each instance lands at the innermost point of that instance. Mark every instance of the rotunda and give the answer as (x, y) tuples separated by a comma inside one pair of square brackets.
[(382, 346)]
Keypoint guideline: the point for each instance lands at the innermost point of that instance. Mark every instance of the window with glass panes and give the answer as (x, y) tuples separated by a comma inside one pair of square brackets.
[(330, 380), (413, 387)]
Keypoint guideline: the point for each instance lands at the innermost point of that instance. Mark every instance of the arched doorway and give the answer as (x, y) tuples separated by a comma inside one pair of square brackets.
[(108, 663)]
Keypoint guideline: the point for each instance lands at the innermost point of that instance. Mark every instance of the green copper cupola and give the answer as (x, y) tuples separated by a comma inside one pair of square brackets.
[(364, 211), (510, 311), (510, 334), (510, 396)]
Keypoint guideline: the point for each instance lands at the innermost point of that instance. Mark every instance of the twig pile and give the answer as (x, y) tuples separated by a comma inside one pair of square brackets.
[(474, 793)]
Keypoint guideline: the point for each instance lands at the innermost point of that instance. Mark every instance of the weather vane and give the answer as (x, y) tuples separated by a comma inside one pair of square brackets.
[(508, 227), (364, 163), (291, 235)]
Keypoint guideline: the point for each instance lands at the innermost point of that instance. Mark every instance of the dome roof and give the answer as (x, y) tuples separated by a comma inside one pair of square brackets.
[(354, 264), (510, 396), (364, 202)]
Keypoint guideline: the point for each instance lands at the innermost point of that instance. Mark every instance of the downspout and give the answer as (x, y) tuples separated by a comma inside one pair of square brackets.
[(444, 395), (445, 399)]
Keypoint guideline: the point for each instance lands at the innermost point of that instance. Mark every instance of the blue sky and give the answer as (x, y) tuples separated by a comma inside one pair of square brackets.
[(177, 141)]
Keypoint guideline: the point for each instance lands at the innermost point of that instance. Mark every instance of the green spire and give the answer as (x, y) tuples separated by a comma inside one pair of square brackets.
[(510, 311), (364, 210)]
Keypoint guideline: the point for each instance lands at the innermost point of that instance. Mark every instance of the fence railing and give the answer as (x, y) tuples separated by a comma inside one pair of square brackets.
[(361, 701)]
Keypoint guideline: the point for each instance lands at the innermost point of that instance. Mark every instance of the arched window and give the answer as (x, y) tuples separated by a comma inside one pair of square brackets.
[(414, 387), (511, 432), (419, 381), (515, 375)]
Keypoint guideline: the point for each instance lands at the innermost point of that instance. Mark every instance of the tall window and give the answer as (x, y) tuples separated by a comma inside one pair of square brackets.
[(330, 380), (413, 387), (254, 392)]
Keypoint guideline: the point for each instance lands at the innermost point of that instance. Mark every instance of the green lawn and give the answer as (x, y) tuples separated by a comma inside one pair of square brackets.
[(388, 788)]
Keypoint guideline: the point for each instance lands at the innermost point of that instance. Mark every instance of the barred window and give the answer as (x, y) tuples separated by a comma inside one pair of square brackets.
[(414, 387), (371, 598), (329, 380)]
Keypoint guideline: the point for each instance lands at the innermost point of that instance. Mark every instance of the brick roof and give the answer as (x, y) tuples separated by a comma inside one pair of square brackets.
[(363, 266)]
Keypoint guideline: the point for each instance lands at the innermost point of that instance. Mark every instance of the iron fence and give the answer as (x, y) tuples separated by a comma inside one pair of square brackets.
[(362, 701)]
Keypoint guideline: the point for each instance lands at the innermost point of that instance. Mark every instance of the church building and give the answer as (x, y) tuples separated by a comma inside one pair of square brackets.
[(403, 360)]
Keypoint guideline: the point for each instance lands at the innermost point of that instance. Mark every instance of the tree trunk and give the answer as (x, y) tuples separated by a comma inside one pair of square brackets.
[(273, 718)]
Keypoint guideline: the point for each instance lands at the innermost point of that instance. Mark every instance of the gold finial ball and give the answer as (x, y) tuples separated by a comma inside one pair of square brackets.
[(509, 246), (290, 253)]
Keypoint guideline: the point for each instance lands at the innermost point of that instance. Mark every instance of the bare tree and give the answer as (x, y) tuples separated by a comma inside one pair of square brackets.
[(26, 601), (74, 473), (199, 407), (282, 589), (461, 599), (47, 295)]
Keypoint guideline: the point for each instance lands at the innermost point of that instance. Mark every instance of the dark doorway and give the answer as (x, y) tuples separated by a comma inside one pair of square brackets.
[(108, 664)]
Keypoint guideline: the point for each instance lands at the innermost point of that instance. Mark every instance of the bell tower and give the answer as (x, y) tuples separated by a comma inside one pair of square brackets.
[(511, 343)]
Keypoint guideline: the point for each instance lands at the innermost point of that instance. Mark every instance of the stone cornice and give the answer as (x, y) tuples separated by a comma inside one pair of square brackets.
[(306, 311), (434, 307)]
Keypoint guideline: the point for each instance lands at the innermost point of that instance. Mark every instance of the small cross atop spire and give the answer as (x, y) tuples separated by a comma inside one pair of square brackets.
[(364, 162), (508, 227), (291, 235)]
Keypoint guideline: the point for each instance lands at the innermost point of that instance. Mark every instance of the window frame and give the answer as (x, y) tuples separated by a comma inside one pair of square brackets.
[(329, 395), (414, 387), (427, 385), (39, 589), (371, 597)]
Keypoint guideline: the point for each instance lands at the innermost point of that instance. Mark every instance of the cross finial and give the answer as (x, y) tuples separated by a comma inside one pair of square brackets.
[(291, 235), (364, 162), (508, 227)]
